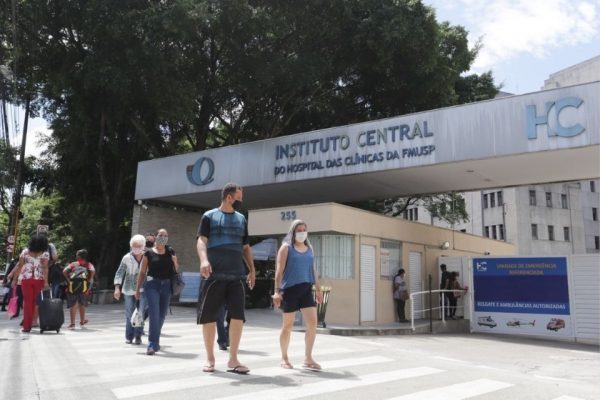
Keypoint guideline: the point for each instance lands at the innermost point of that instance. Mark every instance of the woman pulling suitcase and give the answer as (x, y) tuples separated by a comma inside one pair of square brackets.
[(33, 271)]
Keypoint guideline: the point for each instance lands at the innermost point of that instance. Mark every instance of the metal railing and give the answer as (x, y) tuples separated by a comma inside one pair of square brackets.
[(441, 304)]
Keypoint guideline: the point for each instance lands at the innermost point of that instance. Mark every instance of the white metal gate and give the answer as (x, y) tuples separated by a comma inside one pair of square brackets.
[(415, 267), (584, 297), (367, 283), (462, 265)]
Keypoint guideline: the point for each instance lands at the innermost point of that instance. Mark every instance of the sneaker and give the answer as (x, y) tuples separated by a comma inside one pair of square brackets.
[(150, 351), (138, 340), (128, 341), (222, 346)]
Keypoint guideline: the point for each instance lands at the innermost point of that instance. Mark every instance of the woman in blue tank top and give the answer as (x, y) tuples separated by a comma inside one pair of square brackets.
[(294, 277)]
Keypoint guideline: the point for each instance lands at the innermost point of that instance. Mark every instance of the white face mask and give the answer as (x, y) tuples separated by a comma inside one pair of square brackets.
[(137, 251), (301, 236)]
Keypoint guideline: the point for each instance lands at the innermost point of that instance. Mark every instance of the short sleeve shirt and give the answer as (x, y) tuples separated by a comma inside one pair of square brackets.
[(32, 266), (401, 286), (227, 234)]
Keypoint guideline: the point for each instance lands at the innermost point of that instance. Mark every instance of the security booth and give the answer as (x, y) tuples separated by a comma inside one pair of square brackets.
[(357, 254)]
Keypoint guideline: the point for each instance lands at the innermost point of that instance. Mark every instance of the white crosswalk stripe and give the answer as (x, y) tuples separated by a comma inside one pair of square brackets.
[(459, 391), (352, 367), (206, 380), (313, 389), (141, 369)]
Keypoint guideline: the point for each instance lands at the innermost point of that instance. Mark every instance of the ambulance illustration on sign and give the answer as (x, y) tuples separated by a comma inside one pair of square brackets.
[(555, 324), (486, 321)]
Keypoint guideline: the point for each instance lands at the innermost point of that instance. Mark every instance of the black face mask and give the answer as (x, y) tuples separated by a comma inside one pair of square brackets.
[(149, 244), (237, 205)]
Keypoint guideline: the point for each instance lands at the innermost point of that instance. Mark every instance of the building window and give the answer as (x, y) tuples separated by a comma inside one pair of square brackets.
[(333, 255), (390, 256), (593, 188), (567, 234), (492, 200), (485, 201), (548, 199), (501, 231), (563, 200), (413, 214), (487, 231), (534, 233), (597, 242), (594, 214), (494, 232), (500, 200), (532, 200), (550, 232)]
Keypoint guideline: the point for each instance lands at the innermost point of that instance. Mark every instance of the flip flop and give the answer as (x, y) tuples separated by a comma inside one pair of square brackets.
[(312, 367), (85, 321), (286, 365), (71, 326), (239, 369), (208, 368)]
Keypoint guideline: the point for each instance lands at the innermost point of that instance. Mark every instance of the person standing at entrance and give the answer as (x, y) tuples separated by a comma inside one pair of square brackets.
[(443, 296), (294, 277), (158, 266), (222, 247), (400, 295)]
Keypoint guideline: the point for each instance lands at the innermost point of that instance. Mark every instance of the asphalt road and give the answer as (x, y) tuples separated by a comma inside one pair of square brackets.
[(95, 363)]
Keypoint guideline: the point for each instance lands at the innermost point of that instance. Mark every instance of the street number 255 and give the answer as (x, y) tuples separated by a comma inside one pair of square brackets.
[(288, 215)]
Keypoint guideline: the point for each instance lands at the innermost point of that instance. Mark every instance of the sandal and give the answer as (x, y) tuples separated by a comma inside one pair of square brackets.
[(85, 321), (208, 368), (286, 365), (71, 326), (239, 369), (312, 367)]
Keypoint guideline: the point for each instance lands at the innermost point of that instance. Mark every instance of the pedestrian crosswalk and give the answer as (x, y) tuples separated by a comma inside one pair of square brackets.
[(352, 367)]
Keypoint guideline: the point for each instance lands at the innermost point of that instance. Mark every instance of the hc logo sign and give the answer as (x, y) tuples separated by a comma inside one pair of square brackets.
[(554, 127), (201, 173)]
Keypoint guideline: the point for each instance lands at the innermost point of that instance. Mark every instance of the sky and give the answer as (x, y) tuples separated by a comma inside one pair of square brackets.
[(524, 41)]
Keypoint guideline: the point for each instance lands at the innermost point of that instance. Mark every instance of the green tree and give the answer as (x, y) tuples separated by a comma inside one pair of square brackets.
[(124, 81), (447, 207)]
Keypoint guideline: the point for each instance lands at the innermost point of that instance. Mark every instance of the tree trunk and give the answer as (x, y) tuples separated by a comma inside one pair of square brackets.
[(106, 242)]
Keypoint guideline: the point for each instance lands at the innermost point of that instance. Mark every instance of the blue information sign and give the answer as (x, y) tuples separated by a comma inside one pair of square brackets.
[(527, 285)]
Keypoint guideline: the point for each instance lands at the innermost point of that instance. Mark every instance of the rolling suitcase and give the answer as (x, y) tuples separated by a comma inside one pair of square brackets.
[(52, 315)]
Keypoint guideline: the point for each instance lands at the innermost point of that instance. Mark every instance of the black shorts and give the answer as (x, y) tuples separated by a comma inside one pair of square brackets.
[(74, 298), (297, 297), (215, 293)]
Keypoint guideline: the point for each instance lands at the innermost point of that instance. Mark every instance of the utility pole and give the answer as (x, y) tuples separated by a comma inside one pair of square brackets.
[(19, 184)]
